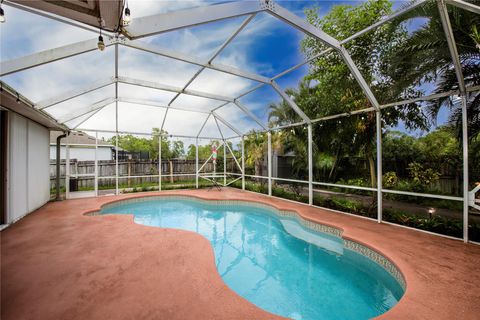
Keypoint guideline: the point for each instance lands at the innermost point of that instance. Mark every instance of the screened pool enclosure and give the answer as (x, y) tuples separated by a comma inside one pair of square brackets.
[(142, 86)]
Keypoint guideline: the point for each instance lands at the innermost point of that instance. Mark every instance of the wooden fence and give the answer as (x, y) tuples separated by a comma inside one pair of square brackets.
[(128, 168)]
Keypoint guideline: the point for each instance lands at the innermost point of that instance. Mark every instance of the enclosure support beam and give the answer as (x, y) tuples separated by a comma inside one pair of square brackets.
[(269, 162), (356, 35), (384, 20), (96, 106), (249, 113), (295, 67), (164, 22), (148, 134), (465, 5), (358, 76), (116, 120), (96, 164), (203, 125), (318, 34), (231, 151), (67, 169), (225, 122), (225, 164), (116, 158), (241, 95), (346, 56), (218, 127), (73, 94), (88, 118), (379, 166), (58, 161), (465, 168), (164, 119), (292, 104), (295, 21), (447, 28), (160, 162), (210, 157), (196, 163), (224, 152), (217, 52), (243, 162), (149, 103), (51, 55), (310, 165), (192, 60), (165, 87)]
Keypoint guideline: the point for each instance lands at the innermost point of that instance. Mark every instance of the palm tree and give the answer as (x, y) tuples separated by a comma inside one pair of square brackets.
[(255, 146), (425, 56)]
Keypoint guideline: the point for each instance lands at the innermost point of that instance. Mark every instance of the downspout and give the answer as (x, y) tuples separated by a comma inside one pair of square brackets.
[(57, 183)]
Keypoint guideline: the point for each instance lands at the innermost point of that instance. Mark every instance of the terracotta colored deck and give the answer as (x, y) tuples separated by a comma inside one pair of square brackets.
[(58, 264)]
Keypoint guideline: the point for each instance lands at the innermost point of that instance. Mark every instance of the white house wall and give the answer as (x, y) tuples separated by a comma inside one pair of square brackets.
[(82, 153), (28, 167)]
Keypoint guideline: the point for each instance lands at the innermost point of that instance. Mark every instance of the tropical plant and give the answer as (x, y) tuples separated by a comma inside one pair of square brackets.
[(255, 149), (422, 176), (390, 179), (425, 57), (322, 93)]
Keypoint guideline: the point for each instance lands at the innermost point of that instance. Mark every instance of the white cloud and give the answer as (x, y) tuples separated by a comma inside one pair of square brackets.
[(140, 8), (53, 79)]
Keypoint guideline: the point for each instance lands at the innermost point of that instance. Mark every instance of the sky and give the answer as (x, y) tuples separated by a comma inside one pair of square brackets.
[(267, 46)]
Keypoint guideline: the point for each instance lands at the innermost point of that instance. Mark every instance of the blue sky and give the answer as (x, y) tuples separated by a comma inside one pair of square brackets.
[(266, 46)]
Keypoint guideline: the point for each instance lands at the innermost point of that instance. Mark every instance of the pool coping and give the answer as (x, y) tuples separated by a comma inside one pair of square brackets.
[(350, 243)]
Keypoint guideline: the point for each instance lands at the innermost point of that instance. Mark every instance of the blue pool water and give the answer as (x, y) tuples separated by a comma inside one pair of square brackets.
[(275, 262)]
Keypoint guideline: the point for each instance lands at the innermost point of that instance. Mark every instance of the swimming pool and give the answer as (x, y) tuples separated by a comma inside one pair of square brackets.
[(274, 261)]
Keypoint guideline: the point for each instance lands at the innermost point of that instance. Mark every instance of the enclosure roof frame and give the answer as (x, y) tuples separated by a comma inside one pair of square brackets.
[(165, 22)]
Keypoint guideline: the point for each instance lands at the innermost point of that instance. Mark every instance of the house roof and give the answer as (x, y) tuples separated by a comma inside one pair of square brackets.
[(11, 100), (90, 12), (77, 138)]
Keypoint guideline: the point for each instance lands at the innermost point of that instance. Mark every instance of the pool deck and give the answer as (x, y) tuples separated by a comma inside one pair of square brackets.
[(57, 263)]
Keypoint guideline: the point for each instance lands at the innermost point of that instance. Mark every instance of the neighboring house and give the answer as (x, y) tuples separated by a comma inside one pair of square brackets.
[(82, 147)]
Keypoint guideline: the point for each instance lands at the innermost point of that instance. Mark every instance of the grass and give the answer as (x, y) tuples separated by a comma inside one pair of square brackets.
[(145, 186)]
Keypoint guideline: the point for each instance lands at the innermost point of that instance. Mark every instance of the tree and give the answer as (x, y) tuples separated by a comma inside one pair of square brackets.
[(131, 143), (425, 57), (255, 149), (330, 87), (204, 151)]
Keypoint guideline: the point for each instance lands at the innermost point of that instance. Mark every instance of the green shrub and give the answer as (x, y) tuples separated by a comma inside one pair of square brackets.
[(422, 176), (390, 179)]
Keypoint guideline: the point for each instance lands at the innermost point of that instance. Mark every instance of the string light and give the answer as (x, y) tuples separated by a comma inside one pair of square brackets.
[(18, 98), (126, 16), (100, 44), (2, 13)]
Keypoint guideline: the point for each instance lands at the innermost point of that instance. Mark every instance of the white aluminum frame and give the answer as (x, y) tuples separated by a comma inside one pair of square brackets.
[(161, 23), (452, 46)]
